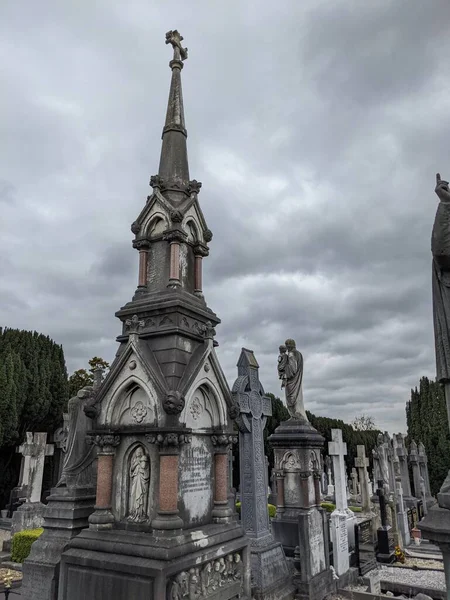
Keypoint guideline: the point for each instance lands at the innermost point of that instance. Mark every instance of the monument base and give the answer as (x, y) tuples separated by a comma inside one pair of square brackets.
[(65, 516), (212, 563), (316, 588), (28, 516), (386, 545), (271, 576)]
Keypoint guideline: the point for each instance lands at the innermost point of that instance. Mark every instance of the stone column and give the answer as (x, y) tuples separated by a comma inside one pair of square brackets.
[(200, 251), (361, 463), (169, 444), (143, 247), (102, 517), (337, 449), (280, 491), (402, 515), (221, 513)]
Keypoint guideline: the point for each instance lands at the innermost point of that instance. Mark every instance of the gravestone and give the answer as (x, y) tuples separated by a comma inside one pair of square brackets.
[(271, 577), (361, 464), (423, 469), (420, 510), (330, 486), (337, 449), (70, 502), (354, 483), (163, 419), (402, 516), (385, 535), (415, 467), (402, 455), (301, 524), (365, 546), (30, 514)]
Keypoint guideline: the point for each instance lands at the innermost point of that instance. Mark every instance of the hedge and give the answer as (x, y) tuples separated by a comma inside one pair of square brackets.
[(21, 543), (329, 507), (270, 507)]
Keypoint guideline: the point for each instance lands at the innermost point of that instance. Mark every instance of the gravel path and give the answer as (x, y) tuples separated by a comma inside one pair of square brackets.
[(426, 579)]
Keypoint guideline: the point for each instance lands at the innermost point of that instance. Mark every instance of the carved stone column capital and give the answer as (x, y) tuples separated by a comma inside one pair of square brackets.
[(222, 442), (105, 442)]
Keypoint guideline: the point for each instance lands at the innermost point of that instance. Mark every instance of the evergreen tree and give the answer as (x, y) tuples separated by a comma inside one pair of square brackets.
[(427, 422), (33, 395)]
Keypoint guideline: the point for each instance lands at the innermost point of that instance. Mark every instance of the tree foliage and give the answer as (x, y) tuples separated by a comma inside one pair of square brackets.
[(363, 423), (33, 393), (82, 377), (427, 422)]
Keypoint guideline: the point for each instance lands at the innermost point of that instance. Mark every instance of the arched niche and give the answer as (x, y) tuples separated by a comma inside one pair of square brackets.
[(137, 506), (290, 462), (203, 410), (156, 226), (132, 405), (192, 231)]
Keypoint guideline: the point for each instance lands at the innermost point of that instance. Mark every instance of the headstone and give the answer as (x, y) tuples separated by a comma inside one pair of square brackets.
[(420, 510), (361, 464), (30, 514), (385, 536), (70, 502), (414, 462), (330, 487), (337, 449), (301, 524), (354, 482), (402, 516), (402, 455), (365, 547), (374, 580), (423, 495), (423, 468), (270, 572)]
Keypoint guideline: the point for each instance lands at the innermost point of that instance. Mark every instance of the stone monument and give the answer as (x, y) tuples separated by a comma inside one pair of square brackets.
[(69, 505), (300, 524), (337, 449), (271, 575), (330, 486), (385, 535), (402, 455), (361, 463), (423, 469), (163, 417), (30, 514)]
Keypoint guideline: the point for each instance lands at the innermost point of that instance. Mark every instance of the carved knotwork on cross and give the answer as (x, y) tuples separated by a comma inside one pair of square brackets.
[(175, 39)]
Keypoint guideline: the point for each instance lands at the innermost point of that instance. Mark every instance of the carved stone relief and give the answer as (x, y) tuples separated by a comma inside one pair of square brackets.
[(205, 581), (201, 411), (139, 481), (134, 408)]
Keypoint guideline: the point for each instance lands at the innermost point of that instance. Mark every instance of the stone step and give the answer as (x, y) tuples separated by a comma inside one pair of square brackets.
[(5, 523), (7, 564)]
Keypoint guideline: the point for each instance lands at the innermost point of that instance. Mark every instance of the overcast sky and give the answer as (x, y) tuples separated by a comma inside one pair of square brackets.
[(316, 127)]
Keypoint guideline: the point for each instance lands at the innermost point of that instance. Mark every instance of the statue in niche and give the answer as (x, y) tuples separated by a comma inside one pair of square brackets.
[(290, 371), (139, 484)]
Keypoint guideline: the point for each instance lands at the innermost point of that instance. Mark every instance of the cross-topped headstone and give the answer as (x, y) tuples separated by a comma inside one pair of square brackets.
[(254, 408), (361, 463), (354, 480), (337, 449), (174, 38), (382, 498), (35, 449)]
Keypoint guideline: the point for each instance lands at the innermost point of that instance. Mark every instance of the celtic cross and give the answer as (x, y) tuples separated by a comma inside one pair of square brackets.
[(175, 39)]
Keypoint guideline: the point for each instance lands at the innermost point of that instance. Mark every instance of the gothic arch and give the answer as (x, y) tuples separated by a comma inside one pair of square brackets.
[(157, 225), (132, 403), (204, 408), (192, 231)]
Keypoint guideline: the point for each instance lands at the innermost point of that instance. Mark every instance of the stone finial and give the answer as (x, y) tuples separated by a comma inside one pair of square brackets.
[(175, 39)]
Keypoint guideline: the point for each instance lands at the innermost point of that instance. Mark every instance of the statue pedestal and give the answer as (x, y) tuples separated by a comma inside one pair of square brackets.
[(301, 525), (65, 515)]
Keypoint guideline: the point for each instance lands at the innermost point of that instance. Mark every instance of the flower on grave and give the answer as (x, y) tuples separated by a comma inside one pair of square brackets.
[(7, 579), (399, 554)]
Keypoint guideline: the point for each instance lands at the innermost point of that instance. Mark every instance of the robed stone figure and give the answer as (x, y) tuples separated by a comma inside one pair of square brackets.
[(290, 370), (440, 247), (140, 478)]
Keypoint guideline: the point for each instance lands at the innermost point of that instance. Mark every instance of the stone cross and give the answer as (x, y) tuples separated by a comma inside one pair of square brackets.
[(330, 486), (35, 449), (337, 449), (254, 408), (175, 39), (361, 463), (402, 514)]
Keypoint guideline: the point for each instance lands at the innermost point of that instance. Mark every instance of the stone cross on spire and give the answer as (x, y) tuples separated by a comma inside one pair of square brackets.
[(174, 38)]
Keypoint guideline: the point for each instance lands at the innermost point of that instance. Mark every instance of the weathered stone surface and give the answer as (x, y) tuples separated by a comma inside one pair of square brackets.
[(337, 449), (271, 577)]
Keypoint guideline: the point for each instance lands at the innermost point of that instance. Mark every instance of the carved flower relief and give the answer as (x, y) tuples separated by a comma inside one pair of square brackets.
[(139, 412), (196, 408)]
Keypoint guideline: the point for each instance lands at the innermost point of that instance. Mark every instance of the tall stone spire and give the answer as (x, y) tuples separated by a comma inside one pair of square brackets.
[(173, 166)]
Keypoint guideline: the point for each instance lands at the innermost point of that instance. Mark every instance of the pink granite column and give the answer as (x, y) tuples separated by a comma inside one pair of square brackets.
[(168, 519), (174, 273), (143, 266), (200, 251), (102, 517), (316, 476), (221, 512)]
